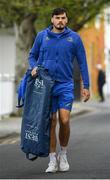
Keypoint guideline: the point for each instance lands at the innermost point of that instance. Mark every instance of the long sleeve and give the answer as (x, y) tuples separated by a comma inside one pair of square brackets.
[(81, 58), (34, 52)]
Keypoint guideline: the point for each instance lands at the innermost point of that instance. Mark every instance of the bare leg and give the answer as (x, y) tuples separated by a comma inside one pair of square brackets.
[(64, 134), (52, 166), (64, 131), (53, 140)]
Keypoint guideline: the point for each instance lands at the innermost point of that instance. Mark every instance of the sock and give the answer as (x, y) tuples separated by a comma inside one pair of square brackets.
[(64, 149), (52, 156)]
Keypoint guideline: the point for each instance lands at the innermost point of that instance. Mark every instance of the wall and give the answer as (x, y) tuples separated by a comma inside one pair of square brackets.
[(7, 71), (93, 38)]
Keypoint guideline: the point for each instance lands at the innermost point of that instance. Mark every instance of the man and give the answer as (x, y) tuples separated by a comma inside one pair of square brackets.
[(55, 49), (100, 82)]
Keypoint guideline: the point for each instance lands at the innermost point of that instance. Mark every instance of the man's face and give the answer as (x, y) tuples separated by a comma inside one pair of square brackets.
[(59, 21)]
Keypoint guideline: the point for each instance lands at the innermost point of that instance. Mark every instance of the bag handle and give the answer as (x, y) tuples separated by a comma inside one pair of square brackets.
[(31, 158)]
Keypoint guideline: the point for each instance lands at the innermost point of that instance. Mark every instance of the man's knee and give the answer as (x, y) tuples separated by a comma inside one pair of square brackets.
[(64, 121), (64, 117)]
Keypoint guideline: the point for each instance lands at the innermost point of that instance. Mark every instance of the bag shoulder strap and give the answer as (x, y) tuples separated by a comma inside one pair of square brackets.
[(40, 62)]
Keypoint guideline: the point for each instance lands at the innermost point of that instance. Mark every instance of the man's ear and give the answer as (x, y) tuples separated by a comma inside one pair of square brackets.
[(66, 20), (52, 20)]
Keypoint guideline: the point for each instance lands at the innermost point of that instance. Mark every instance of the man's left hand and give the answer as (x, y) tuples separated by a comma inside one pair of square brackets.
[(85, 94)]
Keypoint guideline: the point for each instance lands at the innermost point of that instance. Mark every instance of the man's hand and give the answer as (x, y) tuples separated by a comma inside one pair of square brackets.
[(34, 72), (85, 94)]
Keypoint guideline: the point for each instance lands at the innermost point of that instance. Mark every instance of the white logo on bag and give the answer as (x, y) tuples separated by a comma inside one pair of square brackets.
[(31, 135), (39, 83)]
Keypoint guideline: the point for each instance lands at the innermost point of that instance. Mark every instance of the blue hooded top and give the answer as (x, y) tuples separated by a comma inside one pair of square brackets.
[(57, 51)]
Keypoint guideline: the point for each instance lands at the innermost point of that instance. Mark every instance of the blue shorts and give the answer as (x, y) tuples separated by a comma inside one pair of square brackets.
[(62, 96)]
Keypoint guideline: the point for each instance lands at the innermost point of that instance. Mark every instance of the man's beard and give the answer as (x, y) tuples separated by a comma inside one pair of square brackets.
[(60, 27)]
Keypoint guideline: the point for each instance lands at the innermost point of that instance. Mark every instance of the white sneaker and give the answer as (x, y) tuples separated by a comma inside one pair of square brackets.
[(63, 163), (52, 167)]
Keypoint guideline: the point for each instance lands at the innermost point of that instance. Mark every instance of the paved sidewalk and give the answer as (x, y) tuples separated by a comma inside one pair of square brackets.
[(11, 126), (92, 105)]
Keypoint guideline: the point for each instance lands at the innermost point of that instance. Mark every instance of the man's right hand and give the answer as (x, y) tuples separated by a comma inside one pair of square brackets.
[(34, 72)]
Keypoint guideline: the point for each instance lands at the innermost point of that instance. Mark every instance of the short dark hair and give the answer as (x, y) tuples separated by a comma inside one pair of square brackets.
[(58, 11)]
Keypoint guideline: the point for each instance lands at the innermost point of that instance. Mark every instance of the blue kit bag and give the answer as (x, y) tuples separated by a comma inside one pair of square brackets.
[(36, 124)]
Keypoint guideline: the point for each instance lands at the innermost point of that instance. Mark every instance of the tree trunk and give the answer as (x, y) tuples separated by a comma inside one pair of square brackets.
[(25, 34)]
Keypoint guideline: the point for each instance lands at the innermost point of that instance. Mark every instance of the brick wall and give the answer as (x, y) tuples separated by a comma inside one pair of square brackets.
[(93, 39)]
